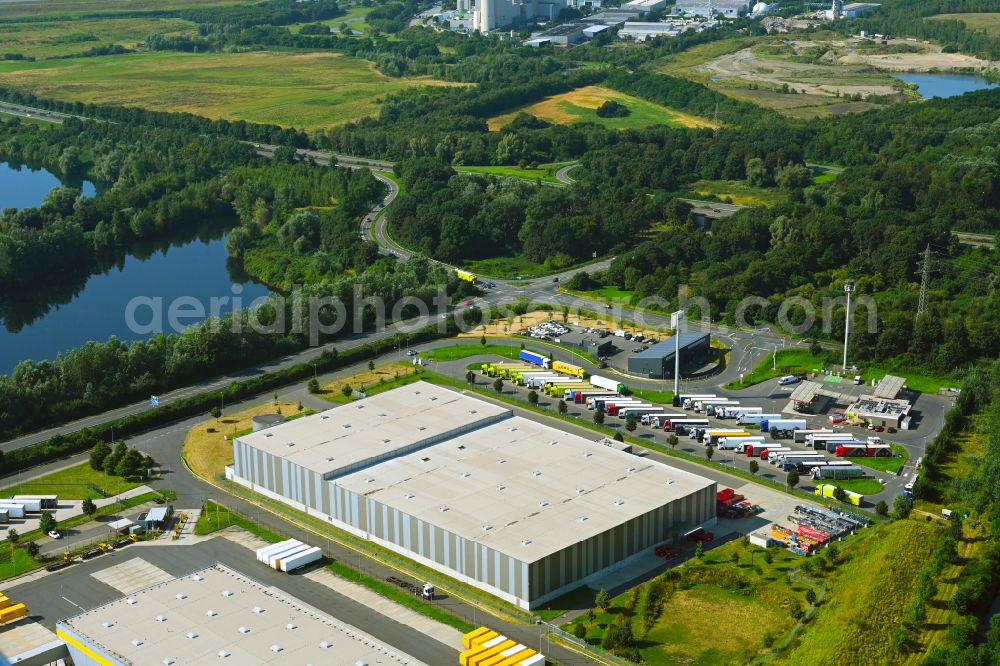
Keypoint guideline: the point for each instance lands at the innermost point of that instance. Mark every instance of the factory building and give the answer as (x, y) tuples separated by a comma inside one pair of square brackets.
[(491, 14), (727, 8), (658, 361), (217, 615), (519, 509)]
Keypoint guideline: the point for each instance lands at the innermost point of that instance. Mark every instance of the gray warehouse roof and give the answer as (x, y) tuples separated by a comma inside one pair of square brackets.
[(346, 437), (666, 348), (219, 615), (521, 487)]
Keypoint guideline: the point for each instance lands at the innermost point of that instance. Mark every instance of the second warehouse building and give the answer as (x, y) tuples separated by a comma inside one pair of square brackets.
[(514, 507)]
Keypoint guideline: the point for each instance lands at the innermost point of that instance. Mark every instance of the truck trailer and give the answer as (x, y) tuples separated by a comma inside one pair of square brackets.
[(607, 383), (819, 442), (674, 424), (45, 501), (799, 436), (569, 369), (830, 471), (754, 418), (824, 490), (735, 411), (770, 425), (686, 400), (534, 358), (712, 437), (13, 510)]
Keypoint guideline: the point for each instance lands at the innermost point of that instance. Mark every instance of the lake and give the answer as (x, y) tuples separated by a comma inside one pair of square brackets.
[(945, 85), (52, 321), (23, 187)]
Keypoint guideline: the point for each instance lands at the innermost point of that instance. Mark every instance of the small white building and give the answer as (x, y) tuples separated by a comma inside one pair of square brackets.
[(726, 8), (643, 6)]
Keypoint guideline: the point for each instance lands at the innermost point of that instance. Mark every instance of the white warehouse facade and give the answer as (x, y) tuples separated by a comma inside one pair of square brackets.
[(519, 509)]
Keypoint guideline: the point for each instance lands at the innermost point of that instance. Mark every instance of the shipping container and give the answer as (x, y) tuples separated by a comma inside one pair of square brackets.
[(534, 358), (277, 555), (11, 613), (299, 560), (607, 383), (262, 553)]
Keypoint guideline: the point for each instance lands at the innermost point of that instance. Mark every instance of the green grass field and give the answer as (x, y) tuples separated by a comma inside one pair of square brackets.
[(581, 105), (986, 22), (457, 352), (659, 397), (890, 465), (47, 39), (307, 91), (718, 613), (790, 362), (863, 486), (507, 268), (738, 192), (354, 17), (78, 482), (545, 173), (915, 381)]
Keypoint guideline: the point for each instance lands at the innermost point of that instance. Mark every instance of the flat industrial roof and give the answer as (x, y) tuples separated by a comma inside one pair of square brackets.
[(346, 436), (281, 630), (521, 487), (666, 347), (889, 387)]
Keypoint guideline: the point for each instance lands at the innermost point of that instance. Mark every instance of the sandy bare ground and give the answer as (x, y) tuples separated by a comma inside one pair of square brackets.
[(842, 71)]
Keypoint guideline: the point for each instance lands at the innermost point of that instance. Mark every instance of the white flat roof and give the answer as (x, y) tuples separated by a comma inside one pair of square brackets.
[(189, 633), (530, 483), (346, 436)]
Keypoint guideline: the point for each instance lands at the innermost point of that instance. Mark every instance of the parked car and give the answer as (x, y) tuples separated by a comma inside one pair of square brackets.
[(788, 379), (837, 418), (55, 534), (879, 428), (411, 352), (555, 279)]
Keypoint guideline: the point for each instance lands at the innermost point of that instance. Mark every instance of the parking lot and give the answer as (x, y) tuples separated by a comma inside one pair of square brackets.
[(611, 346)]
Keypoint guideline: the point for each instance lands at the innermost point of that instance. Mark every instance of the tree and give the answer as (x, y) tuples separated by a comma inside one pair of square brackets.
[(347, 390), (89, 508), (768, 556), (470, 377), (13, 537), (793, 176), (792, 479), (498, 385), (31, 548), (371, 366), (882, 508), (901, 506), (313, 386), (815, 348), (533, 397), (599, 417), (672, 440), (602, 600), (630, 423), (482, 340), (699, 550), (563, 408), (757, 173), (148, 463), (619, 437), (130, 465), (709, 452), (47, 522), (734, 558), (215, 412), (579, 630), (612, 109), (810, 597), (98, 453), (754, 467)]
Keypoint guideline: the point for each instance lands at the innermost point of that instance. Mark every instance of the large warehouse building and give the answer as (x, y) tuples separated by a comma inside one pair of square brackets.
[(658, 361), (511, 506), (217, 615)]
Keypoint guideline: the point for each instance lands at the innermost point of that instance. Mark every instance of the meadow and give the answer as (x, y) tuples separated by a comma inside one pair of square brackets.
[(545, 172), (306, 91), (738, 192), (77, 8), (53, 39), (759, 604), (986, 22), (581, 105), (76, 482)]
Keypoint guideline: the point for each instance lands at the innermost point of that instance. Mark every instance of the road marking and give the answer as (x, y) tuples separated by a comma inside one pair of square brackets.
[(75, 604)]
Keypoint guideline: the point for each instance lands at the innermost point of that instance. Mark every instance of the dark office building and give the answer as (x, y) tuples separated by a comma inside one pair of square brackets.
[(658, 361)]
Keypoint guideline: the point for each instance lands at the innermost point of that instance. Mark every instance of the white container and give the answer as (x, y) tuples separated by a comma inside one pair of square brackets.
[(307, 556)]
